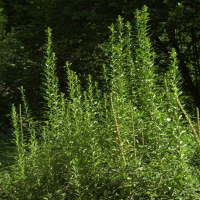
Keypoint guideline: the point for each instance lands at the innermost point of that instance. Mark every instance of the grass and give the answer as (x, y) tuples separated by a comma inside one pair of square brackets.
[(132, 142)]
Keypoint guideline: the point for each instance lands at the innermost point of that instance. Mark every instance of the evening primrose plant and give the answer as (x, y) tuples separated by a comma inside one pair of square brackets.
[(131, 142)]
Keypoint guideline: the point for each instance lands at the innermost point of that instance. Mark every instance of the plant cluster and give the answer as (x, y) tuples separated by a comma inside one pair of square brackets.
[(132, 142)]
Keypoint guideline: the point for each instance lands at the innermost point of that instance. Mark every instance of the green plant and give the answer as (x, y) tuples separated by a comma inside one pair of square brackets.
[(129, 143)]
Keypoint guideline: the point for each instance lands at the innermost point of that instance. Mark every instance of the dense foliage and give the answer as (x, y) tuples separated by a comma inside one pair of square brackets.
[(132, 140)]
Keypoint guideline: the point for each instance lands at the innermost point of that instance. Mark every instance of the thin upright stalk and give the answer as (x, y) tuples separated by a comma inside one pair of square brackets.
[(118, 130)]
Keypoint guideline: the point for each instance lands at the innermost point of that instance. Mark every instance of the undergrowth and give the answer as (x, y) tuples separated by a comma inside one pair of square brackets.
[(132, 142)]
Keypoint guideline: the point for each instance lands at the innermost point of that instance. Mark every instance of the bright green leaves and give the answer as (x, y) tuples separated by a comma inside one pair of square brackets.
[(51, 88), (121, 57)]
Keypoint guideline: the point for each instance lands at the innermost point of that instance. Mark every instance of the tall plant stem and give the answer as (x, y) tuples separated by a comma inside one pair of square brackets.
[(21, 123), (133, 131), (187, 117), (118, 130)]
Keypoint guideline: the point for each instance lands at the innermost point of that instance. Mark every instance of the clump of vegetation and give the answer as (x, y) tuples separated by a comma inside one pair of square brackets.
[(132, 142)]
